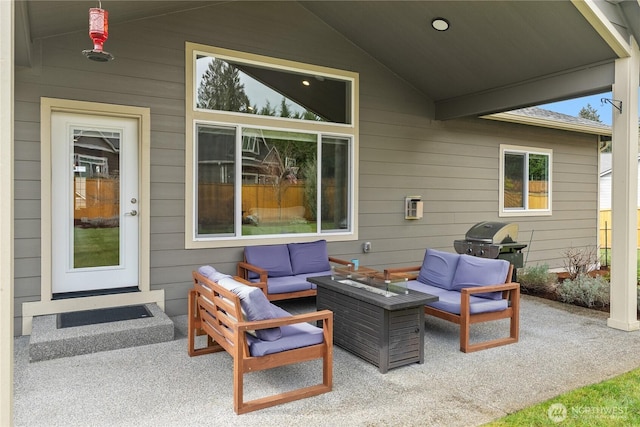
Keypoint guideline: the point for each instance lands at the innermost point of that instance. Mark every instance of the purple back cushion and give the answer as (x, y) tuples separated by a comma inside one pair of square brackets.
[(309, 257), (475, 271), (255, 306), (273, 258), (211, 273), (438, 269)]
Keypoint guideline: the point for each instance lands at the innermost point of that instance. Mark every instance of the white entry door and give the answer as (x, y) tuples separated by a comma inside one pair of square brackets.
[(94, 202)]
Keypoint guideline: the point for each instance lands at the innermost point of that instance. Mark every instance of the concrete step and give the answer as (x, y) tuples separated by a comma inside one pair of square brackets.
[(48, 342)]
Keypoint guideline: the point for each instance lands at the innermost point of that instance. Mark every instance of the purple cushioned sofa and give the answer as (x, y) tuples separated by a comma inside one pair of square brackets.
[(282, 270), (469, 290)]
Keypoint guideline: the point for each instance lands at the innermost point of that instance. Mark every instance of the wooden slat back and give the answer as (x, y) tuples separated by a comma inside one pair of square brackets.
[(219, 310)]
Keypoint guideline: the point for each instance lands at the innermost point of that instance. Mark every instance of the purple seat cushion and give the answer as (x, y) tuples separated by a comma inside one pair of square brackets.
[(475, 271), (304, 276), (255, 306), (311, 257), (273, 258), (438, 268), (449, 301), (282, 285), (293, 336)]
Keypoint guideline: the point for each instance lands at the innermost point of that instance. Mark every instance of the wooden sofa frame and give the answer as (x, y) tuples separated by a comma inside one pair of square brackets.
[(213, 311), (243, 269), (510, 291)]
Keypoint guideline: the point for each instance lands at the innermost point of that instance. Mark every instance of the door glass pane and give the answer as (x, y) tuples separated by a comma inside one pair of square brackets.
[(96, 198)]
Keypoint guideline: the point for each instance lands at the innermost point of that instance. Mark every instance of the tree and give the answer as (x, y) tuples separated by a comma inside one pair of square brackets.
[(267, 110), (589, 113), (285, 111), (220, 89)]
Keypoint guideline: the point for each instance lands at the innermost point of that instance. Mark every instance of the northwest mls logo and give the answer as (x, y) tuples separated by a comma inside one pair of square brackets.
[(557, 412)]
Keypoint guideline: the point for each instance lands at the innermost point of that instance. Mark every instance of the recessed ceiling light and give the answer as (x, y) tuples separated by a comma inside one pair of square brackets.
[(440, 24), (305, 83)]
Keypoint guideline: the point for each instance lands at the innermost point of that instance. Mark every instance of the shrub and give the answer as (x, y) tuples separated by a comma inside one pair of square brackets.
[(537, 279), (585, 290), (580, 260)]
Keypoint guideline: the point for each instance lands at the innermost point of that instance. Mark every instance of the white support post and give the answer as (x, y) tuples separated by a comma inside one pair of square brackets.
[(6, 211), (623, 311)]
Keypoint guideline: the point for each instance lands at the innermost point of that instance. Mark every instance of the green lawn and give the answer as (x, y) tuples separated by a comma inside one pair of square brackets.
[(615, 402), (96, 247), (285, 228)]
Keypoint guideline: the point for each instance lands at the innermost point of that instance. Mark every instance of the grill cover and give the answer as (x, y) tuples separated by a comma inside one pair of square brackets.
[(496, 233)]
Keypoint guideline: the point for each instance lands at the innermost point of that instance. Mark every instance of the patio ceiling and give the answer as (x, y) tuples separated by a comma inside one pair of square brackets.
[(496, 55)]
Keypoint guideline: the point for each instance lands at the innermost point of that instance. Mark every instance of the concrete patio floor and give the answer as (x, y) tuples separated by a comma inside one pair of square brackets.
[(561, 348)]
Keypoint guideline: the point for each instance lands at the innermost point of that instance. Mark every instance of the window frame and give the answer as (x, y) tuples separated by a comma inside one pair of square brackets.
[(515, 212), (195, 116)]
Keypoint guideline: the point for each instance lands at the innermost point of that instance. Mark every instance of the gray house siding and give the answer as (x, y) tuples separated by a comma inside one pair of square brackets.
[(403, 151)]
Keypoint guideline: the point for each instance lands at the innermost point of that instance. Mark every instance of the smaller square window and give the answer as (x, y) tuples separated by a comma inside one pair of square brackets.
[(525, 181)]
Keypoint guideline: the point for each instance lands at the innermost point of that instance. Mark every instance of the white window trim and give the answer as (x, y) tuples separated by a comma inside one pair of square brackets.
[(524, 212), (194, 115)]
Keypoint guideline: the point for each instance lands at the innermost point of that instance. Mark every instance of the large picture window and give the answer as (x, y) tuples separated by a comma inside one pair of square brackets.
[(271, 150), (525, 181)]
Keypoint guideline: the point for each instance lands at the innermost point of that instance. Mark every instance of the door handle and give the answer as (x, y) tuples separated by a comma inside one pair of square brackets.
[(132, 213)]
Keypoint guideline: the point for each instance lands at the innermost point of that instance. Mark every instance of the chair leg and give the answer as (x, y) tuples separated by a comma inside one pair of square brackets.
[(465, 322), (238, 386), (193, 322), (327, 360), (515, 317)]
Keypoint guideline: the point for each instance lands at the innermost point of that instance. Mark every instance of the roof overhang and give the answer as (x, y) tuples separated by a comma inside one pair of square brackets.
[(496, 56)]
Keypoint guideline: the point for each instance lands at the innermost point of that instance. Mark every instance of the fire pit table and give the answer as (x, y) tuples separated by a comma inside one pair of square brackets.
[(380, 322)]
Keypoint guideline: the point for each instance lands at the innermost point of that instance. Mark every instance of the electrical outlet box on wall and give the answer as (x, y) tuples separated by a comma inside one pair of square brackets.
[(413, 207)]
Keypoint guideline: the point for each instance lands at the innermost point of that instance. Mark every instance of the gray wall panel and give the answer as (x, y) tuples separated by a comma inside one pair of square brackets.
[(453, 165)]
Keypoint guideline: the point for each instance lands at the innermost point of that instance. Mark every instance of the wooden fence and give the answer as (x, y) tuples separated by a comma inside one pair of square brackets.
[(215, 200), (96, 198), (605, 228)]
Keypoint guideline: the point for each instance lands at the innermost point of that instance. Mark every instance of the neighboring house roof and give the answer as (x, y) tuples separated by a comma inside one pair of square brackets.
[(605, 164), (537, 116)]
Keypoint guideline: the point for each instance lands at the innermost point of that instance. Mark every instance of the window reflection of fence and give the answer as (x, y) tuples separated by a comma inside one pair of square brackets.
[(538, 196), (216, 200), (605, 228), (96, 198)]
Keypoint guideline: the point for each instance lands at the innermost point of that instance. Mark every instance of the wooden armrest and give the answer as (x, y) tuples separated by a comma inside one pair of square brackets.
[(283, 321), (244, 267), (389, 271), (491, 288), (339, 261)]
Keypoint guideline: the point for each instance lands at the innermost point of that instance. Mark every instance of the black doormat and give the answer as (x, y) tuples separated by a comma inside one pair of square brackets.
[(102, 315)]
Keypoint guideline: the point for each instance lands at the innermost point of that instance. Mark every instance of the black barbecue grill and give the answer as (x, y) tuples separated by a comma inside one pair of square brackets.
[(492, 240)]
